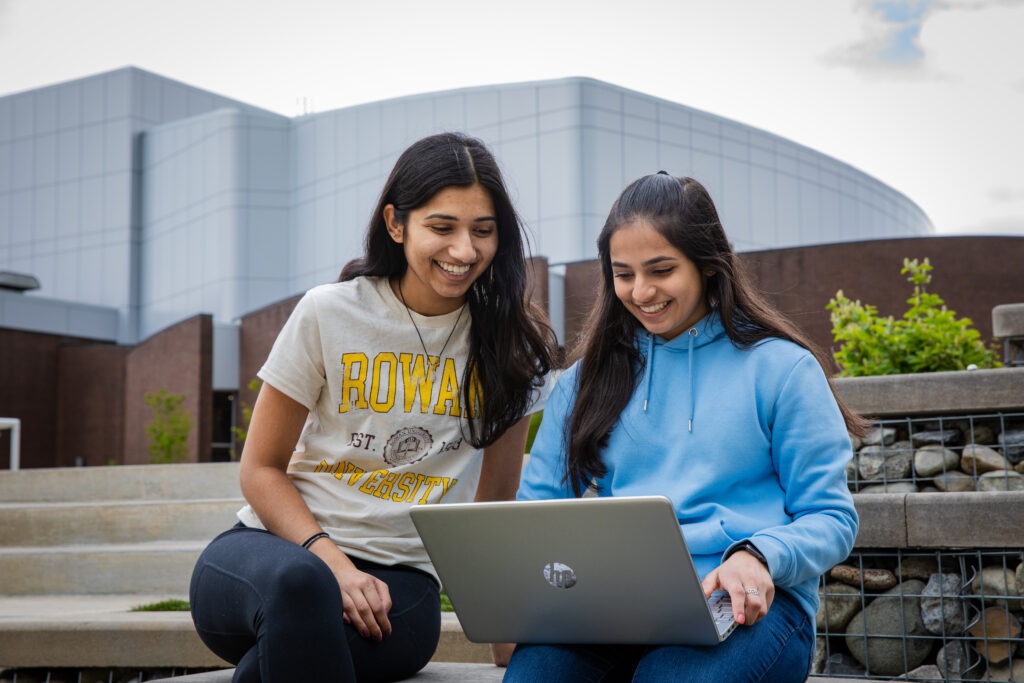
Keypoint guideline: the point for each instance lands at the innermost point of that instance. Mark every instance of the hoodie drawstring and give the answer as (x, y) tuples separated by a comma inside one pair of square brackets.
[(692, 334), (649, 370)]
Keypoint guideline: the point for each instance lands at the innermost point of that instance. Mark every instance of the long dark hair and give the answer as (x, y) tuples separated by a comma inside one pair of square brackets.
[(511, 343), (682, 211)]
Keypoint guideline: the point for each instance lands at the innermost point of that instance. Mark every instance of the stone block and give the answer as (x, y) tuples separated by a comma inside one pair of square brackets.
[(1008, 320), (934, 393), (964, 520), (883, 520)]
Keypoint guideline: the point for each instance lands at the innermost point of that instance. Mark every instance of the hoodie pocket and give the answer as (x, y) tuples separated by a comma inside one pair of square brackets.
[(707, 537)]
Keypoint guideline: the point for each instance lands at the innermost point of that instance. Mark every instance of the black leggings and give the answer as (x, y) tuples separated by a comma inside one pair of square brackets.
[(275, 611)]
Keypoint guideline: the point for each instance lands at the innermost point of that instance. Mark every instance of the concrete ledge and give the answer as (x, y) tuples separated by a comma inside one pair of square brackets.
[(940, 520), (965, 520), (184, 481), (94, 631), (934, 393), (141, 568), (883, 520), (1008, 320), (441, 672)]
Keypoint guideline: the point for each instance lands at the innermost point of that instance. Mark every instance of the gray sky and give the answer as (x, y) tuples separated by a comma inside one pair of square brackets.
[(925, 95)]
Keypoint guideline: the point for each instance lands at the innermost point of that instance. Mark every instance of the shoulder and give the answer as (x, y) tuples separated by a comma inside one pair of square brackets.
[(358, 290)]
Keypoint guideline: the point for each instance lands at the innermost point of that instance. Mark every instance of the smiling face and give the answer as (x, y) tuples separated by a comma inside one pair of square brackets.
[(656, 282), (448, 244)]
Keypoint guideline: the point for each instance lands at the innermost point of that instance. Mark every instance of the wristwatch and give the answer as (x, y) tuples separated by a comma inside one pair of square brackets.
[(750, 548)]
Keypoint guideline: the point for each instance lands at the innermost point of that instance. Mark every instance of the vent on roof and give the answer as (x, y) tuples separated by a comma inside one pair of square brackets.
[(17, 282)]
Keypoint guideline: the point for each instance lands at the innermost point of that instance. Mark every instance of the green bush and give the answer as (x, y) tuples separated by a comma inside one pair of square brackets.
[(928, 338), (242, 432), (168, 432)]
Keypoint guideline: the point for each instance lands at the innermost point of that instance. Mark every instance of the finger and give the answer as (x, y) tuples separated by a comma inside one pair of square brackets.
[(753, 604), (369, 608), (352, 614), (381, 613), (710, 583)]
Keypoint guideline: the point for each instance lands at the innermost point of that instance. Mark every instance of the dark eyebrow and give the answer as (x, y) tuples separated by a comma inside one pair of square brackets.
[(446, 217), (649, 262)]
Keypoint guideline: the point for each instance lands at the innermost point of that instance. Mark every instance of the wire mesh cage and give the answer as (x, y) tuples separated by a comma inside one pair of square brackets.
[(944, 615), (958, 453)]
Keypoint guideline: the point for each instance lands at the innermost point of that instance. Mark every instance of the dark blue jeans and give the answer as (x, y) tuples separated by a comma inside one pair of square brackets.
[(776, 649), (275, 611)]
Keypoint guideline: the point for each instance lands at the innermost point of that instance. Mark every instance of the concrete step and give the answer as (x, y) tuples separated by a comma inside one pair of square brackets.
[(185, 481), (101, 631), (442, 672), (434, 672), (155, 567), (53, 524)]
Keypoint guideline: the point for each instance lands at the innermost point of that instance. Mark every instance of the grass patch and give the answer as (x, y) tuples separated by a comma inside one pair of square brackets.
[(446, 604), (172, 605)]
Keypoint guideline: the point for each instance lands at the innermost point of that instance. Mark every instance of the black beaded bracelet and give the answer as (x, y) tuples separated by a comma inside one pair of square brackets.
[(314, 538)]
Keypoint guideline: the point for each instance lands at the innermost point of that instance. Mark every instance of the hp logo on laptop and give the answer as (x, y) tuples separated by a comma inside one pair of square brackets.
[(559, 575)]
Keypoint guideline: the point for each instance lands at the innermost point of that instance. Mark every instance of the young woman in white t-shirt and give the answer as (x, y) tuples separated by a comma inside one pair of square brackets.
[(408, 382)]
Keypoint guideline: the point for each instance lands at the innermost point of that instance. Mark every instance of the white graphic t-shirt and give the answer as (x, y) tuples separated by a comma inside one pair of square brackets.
[(385, 426)]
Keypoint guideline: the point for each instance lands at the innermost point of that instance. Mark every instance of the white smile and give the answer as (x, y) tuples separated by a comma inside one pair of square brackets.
[(452, 268), (654, 308)]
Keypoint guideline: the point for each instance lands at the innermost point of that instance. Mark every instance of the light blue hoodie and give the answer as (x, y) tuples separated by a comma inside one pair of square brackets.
[(748, 444)]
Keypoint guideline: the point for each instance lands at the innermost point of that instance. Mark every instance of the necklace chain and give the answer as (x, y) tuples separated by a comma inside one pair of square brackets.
[(432, 365)]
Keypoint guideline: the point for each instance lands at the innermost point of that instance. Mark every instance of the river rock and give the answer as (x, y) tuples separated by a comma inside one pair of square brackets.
[(1004, 672), (943, 437), (1012, 441), (885, 463), (954, 482), (980, 459), (998, 586), (840, 664), (836, 606), (820, 655), (981, 434), (929, 673), (879, 436), (869, 579), (1018, 579), (943, 610), (918, 567), (869, 634), (953, 663), (1001, 480), (995, 631), (855, 442), (932, 460)]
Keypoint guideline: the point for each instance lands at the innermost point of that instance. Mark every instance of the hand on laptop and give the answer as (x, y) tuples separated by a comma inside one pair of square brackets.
[(748, 583)]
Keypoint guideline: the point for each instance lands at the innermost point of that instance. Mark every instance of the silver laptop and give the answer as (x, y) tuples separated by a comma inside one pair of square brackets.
[(582, 570)]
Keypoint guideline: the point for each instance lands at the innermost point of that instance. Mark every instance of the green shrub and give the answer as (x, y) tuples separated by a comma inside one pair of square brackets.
[(535, 420), (168, 432), (240, 432), (928, 338)]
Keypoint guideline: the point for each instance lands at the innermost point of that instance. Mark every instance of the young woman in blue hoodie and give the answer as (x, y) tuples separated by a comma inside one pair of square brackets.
[(691, 386)]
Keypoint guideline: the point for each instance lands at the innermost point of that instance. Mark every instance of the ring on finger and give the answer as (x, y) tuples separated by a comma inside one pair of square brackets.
[(752, 591)]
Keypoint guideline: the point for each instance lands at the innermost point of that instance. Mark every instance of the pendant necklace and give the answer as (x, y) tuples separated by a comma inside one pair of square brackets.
[(432, 361)]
